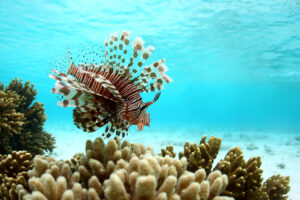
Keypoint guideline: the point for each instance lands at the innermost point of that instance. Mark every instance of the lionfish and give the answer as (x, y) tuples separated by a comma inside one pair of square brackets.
[(109, 94)]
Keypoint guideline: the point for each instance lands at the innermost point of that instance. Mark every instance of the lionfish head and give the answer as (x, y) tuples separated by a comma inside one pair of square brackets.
[(144, 118)]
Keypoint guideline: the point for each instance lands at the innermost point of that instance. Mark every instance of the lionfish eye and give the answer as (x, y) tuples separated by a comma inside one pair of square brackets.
[(143, 107)]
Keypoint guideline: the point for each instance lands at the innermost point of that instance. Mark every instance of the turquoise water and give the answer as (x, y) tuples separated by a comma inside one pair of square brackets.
[(235, 64)]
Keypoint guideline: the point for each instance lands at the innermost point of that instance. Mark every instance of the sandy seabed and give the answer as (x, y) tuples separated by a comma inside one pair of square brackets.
[(279, 151)]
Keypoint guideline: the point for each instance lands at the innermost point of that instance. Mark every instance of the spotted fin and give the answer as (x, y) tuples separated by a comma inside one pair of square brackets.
[(148, 78), (116, 127), (90, 119)]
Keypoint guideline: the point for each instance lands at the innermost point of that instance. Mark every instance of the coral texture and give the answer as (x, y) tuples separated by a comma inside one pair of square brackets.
[(118, 171), (277, 187), (13, 171), (245, 180), (201, 156), (168, 151), (21, 120)]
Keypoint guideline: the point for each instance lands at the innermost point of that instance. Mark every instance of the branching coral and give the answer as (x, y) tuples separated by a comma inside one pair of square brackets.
[(13, 171), (244, 178), (21, 120), (10, 121), (277, 187), (125, 171), (168, 151), (201, 156), (120, 171), (235, 167)]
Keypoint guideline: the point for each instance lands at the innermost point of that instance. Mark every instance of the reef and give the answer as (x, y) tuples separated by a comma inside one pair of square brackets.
[(22, 120), (203, 155), (245, 180), (123, 171)]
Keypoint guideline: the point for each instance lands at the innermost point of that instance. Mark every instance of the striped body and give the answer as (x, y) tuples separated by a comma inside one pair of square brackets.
[(109, 94), (128, 107)]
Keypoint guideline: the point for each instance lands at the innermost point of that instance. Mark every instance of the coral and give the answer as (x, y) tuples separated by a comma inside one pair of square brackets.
[(115, 171), (100, 159), (276, 187), (21, 120), (13, 171), (168, 151), (10, 121), (201, 156), (244, 178), (130, 171), (234, 166), (152, 177)]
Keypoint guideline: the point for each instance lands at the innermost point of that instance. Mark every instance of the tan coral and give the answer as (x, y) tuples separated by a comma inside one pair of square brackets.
[(202, 155), (168, 151), (22, 120), (136, 174), (253, 178), (130, 171), (13, 171), (245, 178), (11, 121), (150, 181), (234, 166), (277, 187)]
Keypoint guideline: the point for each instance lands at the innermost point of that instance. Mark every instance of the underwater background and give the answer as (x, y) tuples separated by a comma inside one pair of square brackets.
[(235, 65)]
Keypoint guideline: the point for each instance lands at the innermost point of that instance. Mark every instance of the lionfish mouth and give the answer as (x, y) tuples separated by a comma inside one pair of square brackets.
[(140, 126), (95, 91)]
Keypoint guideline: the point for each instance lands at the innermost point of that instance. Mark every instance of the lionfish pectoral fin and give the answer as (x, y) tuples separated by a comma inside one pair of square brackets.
[(156, 96), (154, 100), (89, 119), (119, 128)]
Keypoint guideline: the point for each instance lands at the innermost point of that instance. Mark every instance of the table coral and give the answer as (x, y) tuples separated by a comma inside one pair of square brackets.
[(13, 171), (21, 120)]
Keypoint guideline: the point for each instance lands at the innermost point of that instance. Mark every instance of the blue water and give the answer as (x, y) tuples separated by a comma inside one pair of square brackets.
[(235, 64)]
